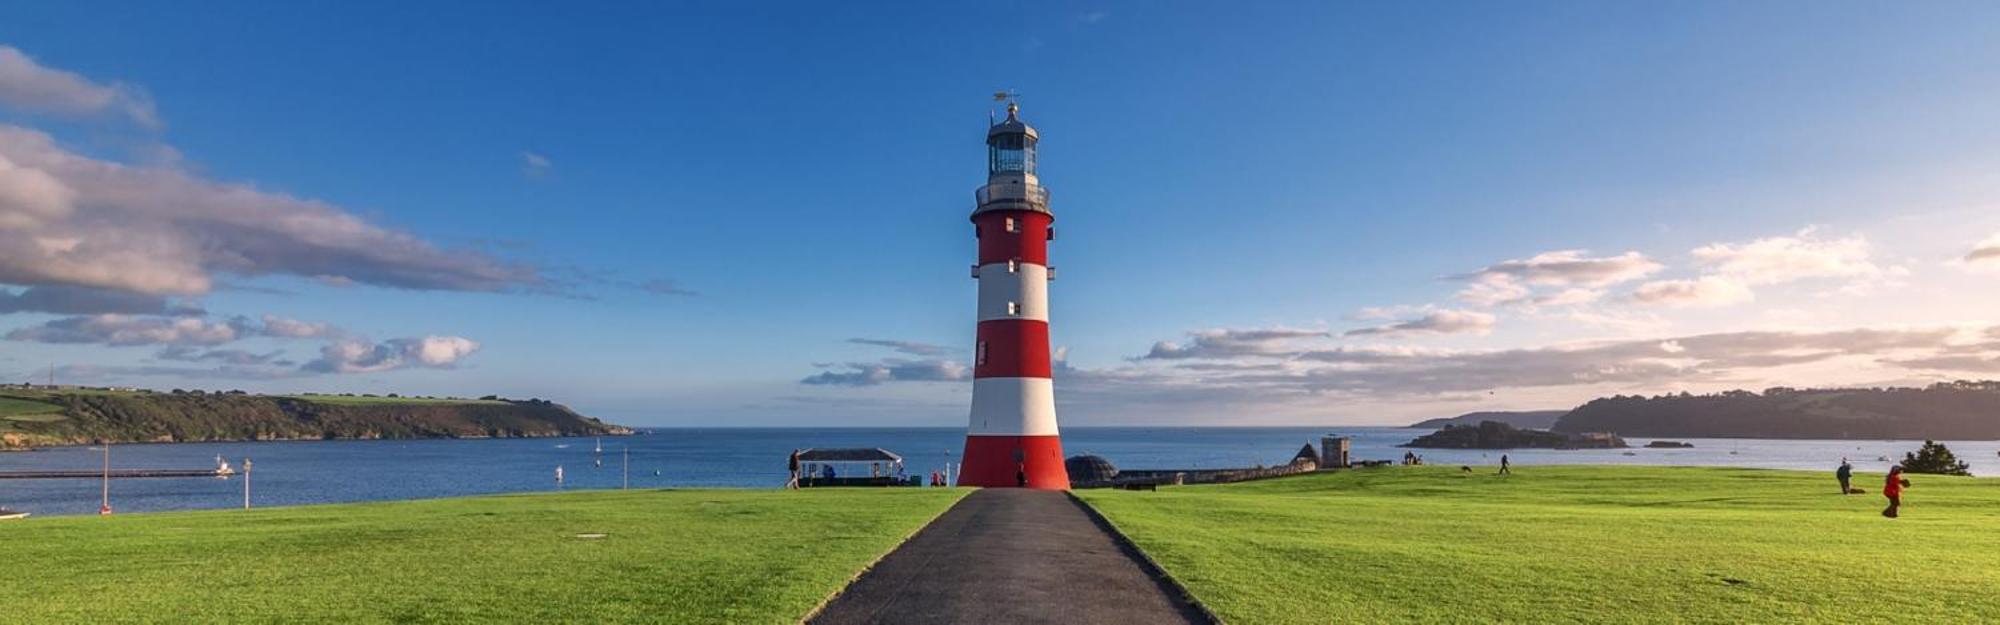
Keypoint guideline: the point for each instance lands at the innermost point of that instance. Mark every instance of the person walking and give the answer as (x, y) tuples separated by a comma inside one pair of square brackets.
[(1506, 468), (1845, 474), (1021, 475), (1893, 489), (793, 464)]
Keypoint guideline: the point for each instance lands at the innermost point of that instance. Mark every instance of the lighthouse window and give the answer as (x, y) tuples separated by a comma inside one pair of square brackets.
[(1013, 265), (981, 358), (1013, 308), (1013, 226), (1011, 152)]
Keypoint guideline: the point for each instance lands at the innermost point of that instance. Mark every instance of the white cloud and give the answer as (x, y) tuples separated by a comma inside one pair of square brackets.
[(1444, 321), (1703, 292), (116, 329), (1987, 253), (912, 348), (1773, 260), (293, 328), (190, 329), (70, 300), (1574, 276), (891, 370), (162, 231), (30, 198), (1321, 375), (1230, 343), (1731, 270), (28, 86), (1571, 268), (535, 165), (236, 357), (356, 355)]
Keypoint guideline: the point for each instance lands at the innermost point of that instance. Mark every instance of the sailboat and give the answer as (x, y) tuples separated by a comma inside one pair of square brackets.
[(600, 445)]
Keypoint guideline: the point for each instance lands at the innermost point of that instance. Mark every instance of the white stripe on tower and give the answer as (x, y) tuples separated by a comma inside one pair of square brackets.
[(1023, 285), (1013, 407)]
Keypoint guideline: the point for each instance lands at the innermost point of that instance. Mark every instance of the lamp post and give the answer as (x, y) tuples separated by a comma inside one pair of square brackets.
[(627, 468), (246, 483), (105, 507)]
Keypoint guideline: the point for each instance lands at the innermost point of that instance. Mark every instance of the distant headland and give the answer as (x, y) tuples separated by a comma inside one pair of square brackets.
[(41, 416), (1963, 410), (1942, 411), (1531, 419)]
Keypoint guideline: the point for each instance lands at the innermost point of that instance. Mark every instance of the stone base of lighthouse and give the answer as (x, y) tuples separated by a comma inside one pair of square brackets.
[(1000, 461)]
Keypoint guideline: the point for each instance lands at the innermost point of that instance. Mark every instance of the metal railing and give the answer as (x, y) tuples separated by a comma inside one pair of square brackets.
[(1030, 193)]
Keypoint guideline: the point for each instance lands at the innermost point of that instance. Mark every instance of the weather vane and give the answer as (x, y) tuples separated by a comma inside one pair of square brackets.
[(1007, 96)]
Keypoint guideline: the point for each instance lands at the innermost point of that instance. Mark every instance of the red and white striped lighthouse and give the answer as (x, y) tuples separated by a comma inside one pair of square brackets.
[(1012, 438)]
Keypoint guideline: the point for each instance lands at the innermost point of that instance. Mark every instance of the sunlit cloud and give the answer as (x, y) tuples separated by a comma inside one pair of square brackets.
[(1703, 292), (1445, 321), (361, 356), (29, 86), (1552, 278)]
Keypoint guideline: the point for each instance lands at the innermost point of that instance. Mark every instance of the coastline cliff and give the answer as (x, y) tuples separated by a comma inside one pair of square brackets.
[(75, 417), (1944, 411)]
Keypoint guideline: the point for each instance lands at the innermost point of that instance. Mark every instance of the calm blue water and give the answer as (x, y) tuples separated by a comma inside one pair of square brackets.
[(309, 472)]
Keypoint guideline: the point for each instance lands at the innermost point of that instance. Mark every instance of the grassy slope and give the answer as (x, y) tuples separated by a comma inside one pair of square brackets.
[(734, 556), (14, 406), (1574, 544)]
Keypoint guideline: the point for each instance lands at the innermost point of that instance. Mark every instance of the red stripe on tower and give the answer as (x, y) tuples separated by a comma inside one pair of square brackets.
[(1011, 439)]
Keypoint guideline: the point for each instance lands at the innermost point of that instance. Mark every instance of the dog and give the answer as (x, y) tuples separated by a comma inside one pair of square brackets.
[(1464, 469)]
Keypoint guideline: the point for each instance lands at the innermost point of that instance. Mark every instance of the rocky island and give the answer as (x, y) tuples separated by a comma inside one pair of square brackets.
[(1537, 419), (41, 417), (1497, 435)]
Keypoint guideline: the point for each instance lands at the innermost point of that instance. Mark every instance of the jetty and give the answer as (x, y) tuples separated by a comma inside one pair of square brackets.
[(115, 474), (222, 469)]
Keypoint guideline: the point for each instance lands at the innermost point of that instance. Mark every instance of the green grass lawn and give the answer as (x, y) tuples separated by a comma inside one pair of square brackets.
[(348, 399), (689, 556), (1574, 544), (11, 407)]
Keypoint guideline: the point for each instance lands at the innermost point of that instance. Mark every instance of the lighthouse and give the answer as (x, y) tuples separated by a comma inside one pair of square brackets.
[(1012, 438)]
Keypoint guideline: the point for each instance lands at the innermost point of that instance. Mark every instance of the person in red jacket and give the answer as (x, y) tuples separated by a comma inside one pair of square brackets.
[(1893, 489)]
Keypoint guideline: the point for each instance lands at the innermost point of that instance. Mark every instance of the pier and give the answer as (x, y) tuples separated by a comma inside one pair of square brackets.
[(114, 474)]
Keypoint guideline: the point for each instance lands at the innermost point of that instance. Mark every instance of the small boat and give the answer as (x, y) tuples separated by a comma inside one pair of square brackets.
[(563, 446), (6, 514), (600, 446), (222, 468)]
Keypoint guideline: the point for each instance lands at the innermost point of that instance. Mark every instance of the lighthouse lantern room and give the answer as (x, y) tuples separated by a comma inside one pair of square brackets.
[(1012, 438)]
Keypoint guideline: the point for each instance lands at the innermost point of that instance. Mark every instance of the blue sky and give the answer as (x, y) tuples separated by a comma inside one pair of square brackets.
[(1283, 212)]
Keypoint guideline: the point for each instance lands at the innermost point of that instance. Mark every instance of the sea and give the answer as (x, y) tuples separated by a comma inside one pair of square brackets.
[(291, 473)]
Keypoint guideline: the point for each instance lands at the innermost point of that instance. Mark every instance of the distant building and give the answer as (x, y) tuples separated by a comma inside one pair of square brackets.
[(1306, 456)]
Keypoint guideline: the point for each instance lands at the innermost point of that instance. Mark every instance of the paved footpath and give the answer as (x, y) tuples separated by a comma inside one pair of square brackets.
[(1008, 555)]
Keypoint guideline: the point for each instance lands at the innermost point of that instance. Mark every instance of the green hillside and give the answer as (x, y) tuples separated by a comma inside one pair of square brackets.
[(33, 418), (1950, 411)]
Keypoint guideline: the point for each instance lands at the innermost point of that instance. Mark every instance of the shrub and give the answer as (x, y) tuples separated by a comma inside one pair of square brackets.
[(1936, 459)]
